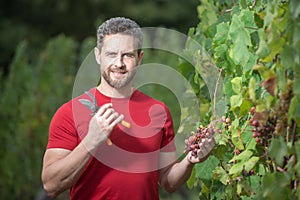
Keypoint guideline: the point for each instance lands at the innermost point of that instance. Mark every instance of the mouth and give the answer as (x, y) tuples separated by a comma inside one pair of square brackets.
[(118, 73)]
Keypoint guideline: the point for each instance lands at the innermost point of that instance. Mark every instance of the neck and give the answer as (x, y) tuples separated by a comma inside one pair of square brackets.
[(109, 91)]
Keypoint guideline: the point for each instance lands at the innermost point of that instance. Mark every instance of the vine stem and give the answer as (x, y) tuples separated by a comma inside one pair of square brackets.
[(294, 132), (215, 92), (252, 28)]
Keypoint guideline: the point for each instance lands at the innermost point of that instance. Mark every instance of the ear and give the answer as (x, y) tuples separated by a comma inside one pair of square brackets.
[(97, 54), (140, 57)]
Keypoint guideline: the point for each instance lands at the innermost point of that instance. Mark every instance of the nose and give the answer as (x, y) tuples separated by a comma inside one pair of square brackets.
[(119, 62)]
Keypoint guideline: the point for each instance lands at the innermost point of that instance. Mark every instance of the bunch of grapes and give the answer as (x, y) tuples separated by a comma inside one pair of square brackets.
[(262, 130), (282, 107), (194, 142), (250, 173), (227, 121)]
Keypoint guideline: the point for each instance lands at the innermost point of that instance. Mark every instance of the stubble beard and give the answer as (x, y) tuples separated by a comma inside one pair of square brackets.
[(119, 83)]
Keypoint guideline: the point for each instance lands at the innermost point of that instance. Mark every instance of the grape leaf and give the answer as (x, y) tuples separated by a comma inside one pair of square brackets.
[(252, 88), (221, 51), (191, 181), (221, 34), (278, 149), (250, 164), (208, 13), (264, 71), (247, 17), (243, 4), (294, 109), (235, 123), (287, 56), (221, 139), (269, 14), (245, 107), (220, 174), (261, 170), (270, 85), (297, 151), (239, 52), (263, 49), (238, 33), (255, 182), (228, 88), (243, 156), (236, 168), (295, 8), (251, 145), (236, 139), (246, 134), (278, 190), (203, 171), (275, 47), (236, 101), (204, 188), (249, 64), (296, 86), (236, 84)]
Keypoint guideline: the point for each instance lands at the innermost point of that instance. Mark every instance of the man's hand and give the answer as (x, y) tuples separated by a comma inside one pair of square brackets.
[(206, 146), (101, 126)]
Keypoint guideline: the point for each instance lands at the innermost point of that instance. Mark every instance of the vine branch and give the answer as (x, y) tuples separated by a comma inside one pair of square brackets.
[(215, 92)]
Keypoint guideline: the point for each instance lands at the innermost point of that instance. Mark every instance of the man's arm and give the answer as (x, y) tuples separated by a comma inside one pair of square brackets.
[(173, 176), (61, 167), (176, 174)]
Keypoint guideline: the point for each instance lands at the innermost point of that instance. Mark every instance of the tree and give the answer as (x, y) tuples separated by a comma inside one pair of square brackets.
[(39, 21), (29, 97)]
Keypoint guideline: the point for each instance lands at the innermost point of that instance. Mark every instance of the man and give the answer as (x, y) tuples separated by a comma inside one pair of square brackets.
[(97, 157)]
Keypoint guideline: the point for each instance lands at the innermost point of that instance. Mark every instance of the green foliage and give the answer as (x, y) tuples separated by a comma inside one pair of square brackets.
[(40, 20), (30, 95), (256, 45)]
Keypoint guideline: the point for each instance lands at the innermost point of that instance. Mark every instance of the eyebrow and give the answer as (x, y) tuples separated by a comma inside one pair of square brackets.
[(109, 52), (115, 52)]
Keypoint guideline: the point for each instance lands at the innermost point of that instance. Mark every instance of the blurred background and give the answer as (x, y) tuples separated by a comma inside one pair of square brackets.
[(43, 43), (37, 21)]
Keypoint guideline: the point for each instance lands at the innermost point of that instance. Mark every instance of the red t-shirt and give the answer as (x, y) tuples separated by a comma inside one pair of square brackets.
[(129, 168)]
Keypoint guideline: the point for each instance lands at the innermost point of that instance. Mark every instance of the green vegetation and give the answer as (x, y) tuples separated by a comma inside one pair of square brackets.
[(30, 95), (43, 43), (256, 47)]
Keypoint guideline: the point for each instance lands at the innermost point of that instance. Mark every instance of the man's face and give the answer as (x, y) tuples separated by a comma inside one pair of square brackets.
[(118, 59)]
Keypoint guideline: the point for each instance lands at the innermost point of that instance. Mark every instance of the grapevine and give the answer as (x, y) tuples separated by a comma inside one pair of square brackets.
[(194, 142), (255, 45), (262, 130)]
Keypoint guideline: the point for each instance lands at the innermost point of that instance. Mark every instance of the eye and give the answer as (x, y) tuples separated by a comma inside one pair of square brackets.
[(129, 55), (111, 54)]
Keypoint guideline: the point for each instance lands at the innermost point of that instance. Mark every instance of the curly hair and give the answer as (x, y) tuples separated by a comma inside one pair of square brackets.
[(119, 25)]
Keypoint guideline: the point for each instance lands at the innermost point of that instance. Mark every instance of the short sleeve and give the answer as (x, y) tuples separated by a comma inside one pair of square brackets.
[(168, 144), (62, 131)]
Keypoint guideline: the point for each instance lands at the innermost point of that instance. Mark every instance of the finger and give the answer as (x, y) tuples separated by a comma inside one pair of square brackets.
[(206, 142), (117, 120), (192, 158), (212, 141), (103, 108), (112, 117), (108, 113), (202, 152), (209, 134), (209, 144)]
